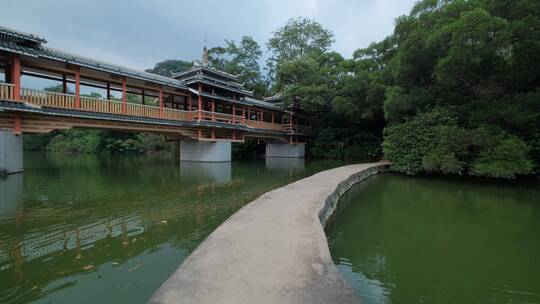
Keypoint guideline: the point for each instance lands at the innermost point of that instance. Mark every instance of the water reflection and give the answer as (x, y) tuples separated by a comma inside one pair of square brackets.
[(111, 229), (11, 195), (285, 163), (427, 240), (218, 172)]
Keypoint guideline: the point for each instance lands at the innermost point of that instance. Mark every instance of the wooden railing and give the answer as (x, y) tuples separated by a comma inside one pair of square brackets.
[(296, 128), (6, 91), (264, 125), (48, 99), (221, 117), (100, 105), (178, 114), (67, 101)]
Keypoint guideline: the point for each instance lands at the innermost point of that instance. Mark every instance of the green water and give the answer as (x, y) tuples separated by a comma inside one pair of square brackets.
[(399, 239), (112, 229)]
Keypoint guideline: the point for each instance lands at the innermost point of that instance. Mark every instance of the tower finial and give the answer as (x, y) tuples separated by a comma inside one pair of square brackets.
[(205, 55)]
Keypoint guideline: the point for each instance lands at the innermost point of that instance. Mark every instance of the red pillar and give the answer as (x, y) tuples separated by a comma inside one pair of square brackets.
[(249, 113), (244, 115), (78, 88), (142, 96), (16, 77), (290, 120), (213, 110), (64, 83), (199, 104), (273, 117), (108, 90), (213, 134), (190, 106), (234, 113), (124, 95), (17, 127), (160, 102)]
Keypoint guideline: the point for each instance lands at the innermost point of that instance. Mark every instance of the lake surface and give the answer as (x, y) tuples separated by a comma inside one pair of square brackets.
[(400, 239), (112, 229)]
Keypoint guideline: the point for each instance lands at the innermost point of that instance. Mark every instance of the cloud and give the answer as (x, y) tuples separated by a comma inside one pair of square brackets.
[(139, 33)]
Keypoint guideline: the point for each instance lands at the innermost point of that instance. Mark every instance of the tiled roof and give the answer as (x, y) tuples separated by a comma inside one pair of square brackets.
[(207, 69), (262, 103), (18, 36), (38, 50)]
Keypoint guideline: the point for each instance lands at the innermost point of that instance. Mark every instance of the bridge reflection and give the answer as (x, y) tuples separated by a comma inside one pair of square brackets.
[(88, 220), (11, 195), (285, 163), (216, 172)]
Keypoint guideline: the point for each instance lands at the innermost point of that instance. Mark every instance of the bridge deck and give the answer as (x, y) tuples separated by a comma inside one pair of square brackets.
[(65, 105)]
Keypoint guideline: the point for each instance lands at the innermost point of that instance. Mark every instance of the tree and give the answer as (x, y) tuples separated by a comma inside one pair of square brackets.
[(298, 38), (242, 60), (467, 57), (170, 67)]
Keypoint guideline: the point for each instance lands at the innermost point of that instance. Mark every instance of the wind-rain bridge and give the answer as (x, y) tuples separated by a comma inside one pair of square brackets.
[(203, 108)]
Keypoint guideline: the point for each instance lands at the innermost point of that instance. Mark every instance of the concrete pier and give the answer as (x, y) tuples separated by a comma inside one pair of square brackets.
[(11, 152), (273, 250), (285, 150), (205, 151)]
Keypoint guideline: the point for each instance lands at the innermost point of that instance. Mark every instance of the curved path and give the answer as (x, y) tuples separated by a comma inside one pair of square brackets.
[(273, 250)]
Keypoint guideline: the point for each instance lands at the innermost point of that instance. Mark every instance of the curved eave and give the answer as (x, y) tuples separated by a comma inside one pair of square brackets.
[(199, 80)]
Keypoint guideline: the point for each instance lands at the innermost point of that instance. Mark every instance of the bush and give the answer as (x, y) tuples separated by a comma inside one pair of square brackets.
[(506, 159), (430, 142)]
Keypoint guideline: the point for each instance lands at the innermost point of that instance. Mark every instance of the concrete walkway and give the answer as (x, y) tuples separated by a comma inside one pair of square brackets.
[(273, 250)]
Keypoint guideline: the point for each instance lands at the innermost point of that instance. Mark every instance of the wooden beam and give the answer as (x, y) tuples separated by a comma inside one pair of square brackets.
[(17, 127)]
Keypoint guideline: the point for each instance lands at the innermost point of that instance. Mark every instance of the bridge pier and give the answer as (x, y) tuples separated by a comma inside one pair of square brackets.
[(11, 152), (285, 150), (205, 151)]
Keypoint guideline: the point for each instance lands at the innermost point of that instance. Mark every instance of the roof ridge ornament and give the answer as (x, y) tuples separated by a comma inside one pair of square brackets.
[(205, 57)]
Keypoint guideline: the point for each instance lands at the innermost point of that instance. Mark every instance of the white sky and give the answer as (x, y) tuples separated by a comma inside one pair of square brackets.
[(139, 33)]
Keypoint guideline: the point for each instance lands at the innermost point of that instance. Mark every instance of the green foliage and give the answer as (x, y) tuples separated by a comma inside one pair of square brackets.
[(429, 142), (470, 57), (170, 67), (503, 158), (298, 38), (245, 150), (242, 60), (85, 141), (94, 141)]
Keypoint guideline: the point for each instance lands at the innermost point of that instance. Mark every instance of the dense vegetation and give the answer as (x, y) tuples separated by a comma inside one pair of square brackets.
[(454, 90), (462, 94), (454, 85)]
